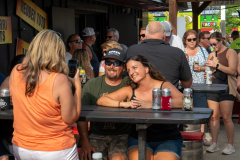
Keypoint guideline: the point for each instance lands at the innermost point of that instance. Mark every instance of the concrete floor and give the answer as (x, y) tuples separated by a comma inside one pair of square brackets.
[(222, 142)]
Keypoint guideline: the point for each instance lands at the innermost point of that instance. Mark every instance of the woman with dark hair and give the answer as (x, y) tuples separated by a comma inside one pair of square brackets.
[(223, 61), (163, 141), (195, 52)]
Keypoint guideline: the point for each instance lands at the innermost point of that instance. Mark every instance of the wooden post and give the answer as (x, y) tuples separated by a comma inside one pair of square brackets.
[(173, 10), (195, 6)]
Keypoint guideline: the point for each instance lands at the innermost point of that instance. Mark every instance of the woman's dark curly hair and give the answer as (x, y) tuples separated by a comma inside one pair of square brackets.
[(153, 71)]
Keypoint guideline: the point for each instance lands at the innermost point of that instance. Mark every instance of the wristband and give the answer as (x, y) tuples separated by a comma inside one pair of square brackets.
[(119, 104), (217, 66)]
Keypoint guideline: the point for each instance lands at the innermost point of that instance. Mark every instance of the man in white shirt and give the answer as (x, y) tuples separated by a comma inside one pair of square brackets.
[(173, 40), (74, 42)]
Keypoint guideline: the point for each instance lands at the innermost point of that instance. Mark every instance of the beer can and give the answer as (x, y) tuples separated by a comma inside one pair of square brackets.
[(209, 77), (166, 92), (195, 63), (166, 101), (156, 98), (187, 99), (5, 99), (207, 68)]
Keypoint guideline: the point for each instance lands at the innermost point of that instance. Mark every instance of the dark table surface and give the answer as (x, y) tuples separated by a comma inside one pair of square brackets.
[(206, 88), (95, 113), (125, 115)]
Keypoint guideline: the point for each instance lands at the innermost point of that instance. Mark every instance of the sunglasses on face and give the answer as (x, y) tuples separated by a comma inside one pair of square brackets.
[(109, 37), (214, 44), (142, 35), (77, 41), (206, 38), (189, 40), (115, 64), (104, 52)]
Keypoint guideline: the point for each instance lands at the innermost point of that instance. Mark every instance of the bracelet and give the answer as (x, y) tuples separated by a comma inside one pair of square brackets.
[(119, 104)]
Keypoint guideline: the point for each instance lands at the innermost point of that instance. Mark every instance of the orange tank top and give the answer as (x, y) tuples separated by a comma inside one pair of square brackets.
[(38, 123)]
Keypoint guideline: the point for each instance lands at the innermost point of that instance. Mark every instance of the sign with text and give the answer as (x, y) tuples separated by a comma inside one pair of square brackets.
[(22, 47), (226, 2), (208, 24), (5, 30), (32, 14)]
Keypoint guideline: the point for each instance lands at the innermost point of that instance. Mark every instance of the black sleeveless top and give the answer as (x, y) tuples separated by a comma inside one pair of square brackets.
[(158, 132), (94, 62)]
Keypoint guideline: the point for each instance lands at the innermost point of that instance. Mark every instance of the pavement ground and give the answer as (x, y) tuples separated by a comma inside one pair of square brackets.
[(222, 142)]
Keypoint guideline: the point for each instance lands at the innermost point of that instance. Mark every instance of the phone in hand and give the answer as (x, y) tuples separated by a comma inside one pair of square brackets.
[(72, 65)]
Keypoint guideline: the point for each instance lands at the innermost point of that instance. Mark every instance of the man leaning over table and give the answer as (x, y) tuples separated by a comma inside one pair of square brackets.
[(109, 138)]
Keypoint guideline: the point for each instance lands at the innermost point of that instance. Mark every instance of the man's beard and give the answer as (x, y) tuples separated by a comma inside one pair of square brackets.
[(111, 76)]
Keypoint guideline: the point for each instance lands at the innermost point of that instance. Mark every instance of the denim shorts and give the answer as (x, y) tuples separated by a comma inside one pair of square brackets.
[(172, 146)]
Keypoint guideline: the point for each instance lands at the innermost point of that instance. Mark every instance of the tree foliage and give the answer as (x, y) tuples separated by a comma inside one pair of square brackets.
[(187, 19), (232, 18)]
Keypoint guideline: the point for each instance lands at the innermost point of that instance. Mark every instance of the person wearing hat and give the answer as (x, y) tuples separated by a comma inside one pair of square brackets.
[(173, 40), (109, 138), (89, 38)]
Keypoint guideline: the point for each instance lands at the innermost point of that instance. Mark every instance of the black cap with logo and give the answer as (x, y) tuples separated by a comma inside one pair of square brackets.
[(115, 53)]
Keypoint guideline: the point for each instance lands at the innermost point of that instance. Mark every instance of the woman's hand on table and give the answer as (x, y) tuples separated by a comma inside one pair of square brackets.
[(142, 104)]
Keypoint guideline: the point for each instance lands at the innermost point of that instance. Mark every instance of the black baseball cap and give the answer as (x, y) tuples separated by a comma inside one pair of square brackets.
[(115, 53)]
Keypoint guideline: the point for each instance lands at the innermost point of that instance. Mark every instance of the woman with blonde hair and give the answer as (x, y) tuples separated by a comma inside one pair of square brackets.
[(223, 61), (84, 61), (43, 104), (105, 47)]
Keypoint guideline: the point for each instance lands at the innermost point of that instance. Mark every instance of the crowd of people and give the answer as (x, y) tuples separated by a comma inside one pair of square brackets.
[(44, 105)]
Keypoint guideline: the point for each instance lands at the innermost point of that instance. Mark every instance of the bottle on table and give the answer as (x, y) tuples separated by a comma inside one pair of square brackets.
[(156, 98), (187, 99), (5, 99), (97, 156)]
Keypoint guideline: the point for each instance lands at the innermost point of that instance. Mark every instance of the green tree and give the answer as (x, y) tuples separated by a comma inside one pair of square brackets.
[(187, 19), (150, 17), (232, 18)]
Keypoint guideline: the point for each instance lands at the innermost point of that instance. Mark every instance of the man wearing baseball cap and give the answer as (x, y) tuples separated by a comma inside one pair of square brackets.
[(108, 138), (173, 40), (89, 38)]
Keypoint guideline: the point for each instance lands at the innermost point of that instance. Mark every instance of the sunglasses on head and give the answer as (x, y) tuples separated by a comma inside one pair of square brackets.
[(142, 35), (109, 37), (206, 38), (189, 40), (115, 64), (77, 41)]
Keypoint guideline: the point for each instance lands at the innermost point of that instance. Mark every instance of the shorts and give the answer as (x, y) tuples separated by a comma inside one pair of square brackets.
[(22, 153), (109, 144), (172, 146), (200, 100), (220, 97)]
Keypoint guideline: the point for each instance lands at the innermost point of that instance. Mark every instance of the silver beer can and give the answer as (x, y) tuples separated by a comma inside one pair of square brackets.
[(166, 92), (187, 92), (5, 99), (209, 77), (207, 68), (156, 98)]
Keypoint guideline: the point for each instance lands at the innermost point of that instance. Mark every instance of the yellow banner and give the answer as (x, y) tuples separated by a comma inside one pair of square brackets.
[(5, 30), (32, 14), (22, 47)]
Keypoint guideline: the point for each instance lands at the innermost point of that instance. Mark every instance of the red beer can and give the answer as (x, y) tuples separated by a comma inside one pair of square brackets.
[(166, 99)]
